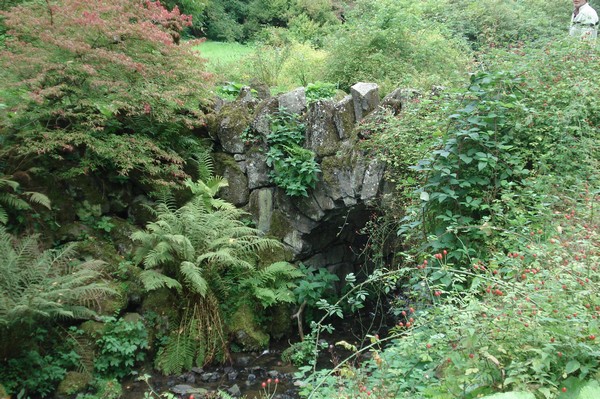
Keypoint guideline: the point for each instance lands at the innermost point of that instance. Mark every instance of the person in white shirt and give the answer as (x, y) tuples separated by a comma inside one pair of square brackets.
[(584, 21)]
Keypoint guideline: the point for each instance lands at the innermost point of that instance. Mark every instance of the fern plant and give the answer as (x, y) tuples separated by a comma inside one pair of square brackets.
[(12, 198), (40, 285), (205, 252)]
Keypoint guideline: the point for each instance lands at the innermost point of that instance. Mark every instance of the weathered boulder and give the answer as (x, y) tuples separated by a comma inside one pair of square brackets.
[(344, 117), (294, 101), (232, 120), (237, 192), (74, 382), (261, 122), (246, 332), (321, 133), (261, 206), (397, 100), (372, 181), (322, 228), (256, 169), (365, 97)]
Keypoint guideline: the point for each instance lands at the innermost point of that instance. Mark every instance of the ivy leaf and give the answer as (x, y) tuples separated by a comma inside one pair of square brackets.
[(465, 158), (572, 366)]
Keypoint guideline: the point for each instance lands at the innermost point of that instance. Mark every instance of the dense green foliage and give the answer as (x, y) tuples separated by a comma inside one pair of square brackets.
[(104, 89), (37, 368), (504, 233), (205, 252), (383, 42), (240, 20), (121, 345), (40, 285), (12, 199), (294, 168), (493, 288)]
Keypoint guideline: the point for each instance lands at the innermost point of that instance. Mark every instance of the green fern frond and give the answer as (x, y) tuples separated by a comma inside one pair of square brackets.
[(193, 276), (159, 255), (4, 182), (273, 284), (12, 201), (181, 245), (222, 258), (3, 215), (46, 284), (205, 165), (38, 198), (280, 270), (178, 354), (152, 280)]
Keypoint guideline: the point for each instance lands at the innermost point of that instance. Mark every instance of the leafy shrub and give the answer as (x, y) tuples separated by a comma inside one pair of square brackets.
[(44, 285), (205, 253), (505, 23), (304, 66), (37, 369), (511, 305), (383, 42), (86, 86), (267, 62), (524, 320), (471, 165), (120, 346), (294, 167), (319, 90)]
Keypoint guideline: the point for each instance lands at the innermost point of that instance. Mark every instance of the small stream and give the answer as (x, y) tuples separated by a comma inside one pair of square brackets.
[(247, 371), (244, 377)]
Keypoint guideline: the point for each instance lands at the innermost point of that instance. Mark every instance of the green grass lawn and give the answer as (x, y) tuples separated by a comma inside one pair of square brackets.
[(219, 53)]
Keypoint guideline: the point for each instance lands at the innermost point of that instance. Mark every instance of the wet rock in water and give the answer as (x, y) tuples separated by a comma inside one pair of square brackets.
[(273, 374), (259, 371), (232, 375), (284, 396), (251, 378), (188, 378), (235, 391), (181, 389), (206, 377), (184, 390), (198, 370), (171, 382)]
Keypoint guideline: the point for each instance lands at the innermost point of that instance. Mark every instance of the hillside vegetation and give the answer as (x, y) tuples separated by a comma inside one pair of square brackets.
[(117, 254)]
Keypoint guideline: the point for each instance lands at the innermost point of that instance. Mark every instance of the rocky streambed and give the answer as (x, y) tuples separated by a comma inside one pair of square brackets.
[(243, 378)]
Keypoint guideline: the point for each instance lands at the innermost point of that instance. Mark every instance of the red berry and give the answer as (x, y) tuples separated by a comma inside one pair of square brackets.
[(264, 384), (592, 337), (471, 355), (428, 346), (276, 380), (564, 389)]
